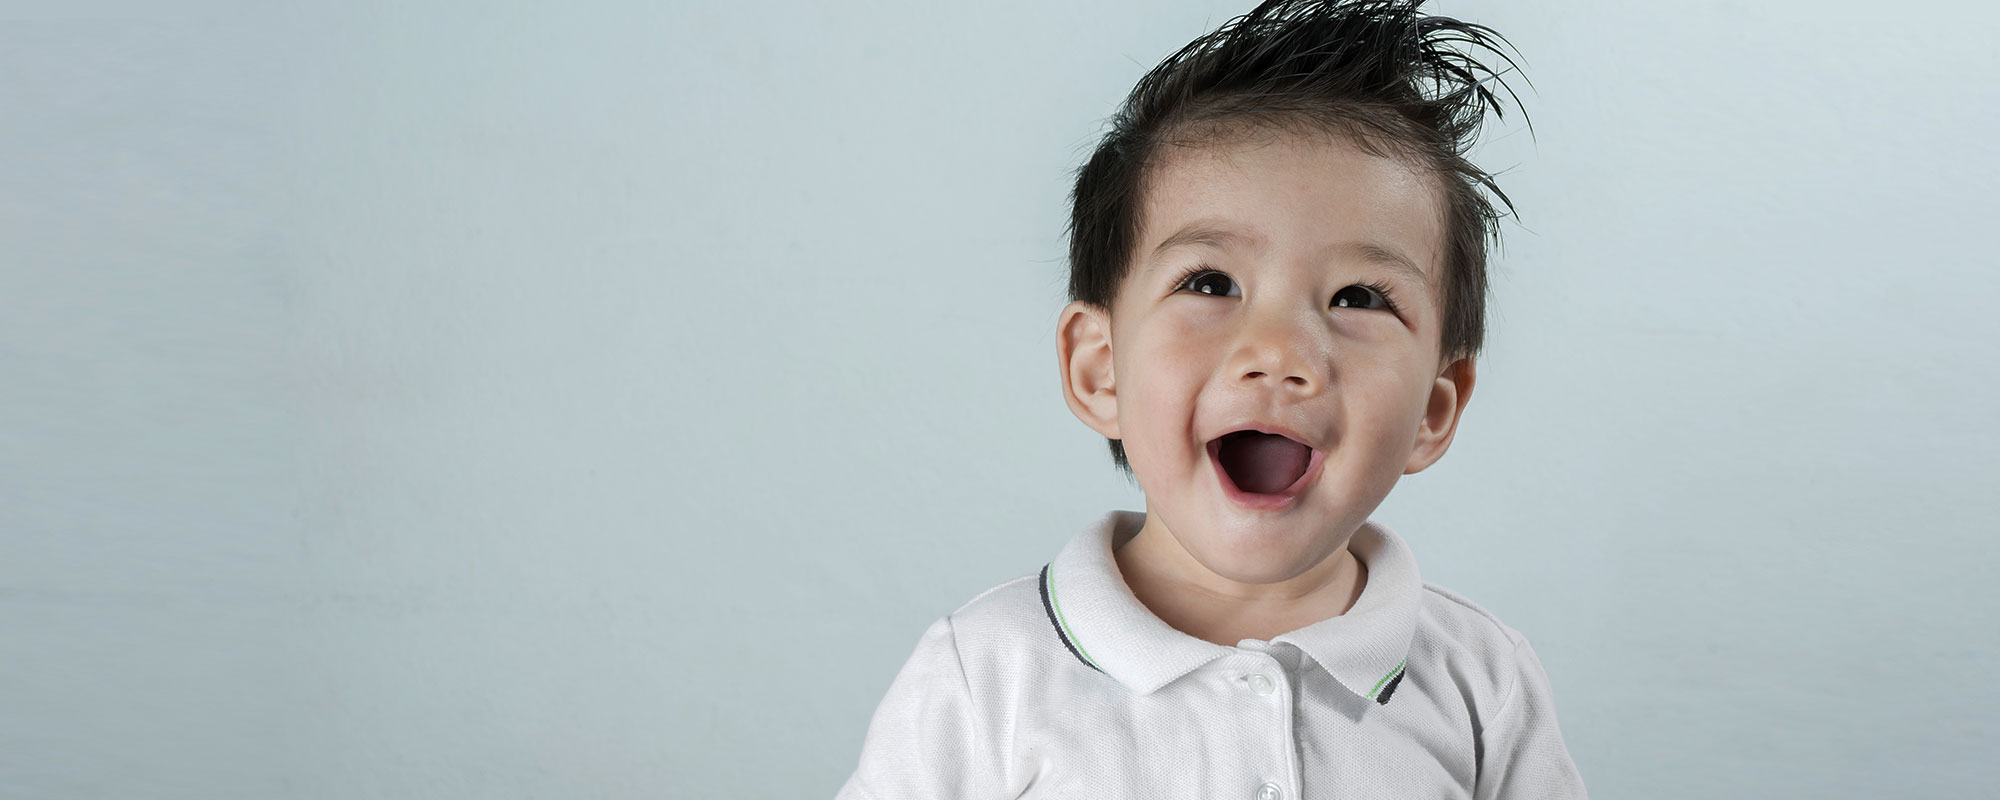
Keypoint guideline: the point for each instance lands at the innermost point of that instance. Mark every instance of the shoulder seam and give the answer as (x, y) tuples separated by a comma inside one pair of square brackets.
[(1513, 657), (971, 698), (1515, 640)]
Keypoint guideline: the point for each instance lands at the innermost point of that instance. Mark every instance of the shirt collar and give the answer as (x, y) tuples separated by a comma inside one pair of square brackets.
[(1097, 618)]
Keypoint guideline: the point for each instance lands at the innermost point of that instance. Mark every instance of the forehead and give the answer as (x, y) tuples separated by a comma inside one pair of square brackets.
[(1321, 198)]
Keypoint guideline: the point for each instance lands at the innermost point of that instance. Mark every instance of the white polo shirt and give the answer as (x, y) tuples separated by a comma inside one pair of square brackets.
[(1062, 685)]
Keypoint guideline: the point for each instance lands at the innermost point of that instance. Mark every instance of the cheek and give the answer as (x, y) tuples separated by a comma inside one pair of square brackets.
[(1171, 352), (1155, 399), (1390, 398), (1158, 383), (1190, 341)]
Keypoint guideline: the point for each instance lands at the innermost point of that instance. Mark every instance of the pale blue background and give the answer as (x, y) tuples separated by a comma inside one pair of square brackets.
[(486, 400)]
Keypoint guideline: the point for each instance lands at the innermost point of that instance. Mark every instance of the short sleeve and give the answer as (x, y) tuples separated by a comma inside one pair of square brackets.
[(923, 741), (1522, 754)]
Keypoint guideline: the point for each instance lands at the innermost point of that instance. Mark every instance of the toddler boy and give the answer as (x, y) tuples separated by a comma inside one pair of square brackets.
[(1278, 260)]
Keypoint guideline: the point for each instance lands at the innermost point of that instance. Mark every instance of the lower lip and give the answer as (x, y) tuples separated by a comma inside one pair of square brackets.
[(1263, 502)]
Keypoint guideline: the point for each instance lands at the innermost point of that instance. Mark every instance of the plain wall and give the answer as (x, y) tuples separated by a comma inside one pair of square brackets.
[(478, 400)]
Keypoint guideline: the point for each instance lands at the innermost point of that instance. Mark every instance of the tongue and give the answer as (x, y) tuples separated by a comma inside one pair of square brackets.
[(1263, 463)]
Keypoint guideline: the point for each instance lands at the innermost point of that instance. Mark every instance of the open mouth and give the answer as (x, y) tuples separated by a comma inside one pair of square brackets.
[(1261, 463)]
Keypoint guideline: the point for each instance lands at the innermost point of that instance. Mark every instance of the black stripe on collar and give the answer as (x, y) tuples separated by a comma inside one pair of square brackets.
[(1050, 609), (1382, 698)]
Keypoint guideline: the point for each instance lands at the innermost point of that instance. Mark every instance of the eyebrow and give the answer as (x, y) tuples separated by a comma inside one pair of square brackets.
[(1213, 235)]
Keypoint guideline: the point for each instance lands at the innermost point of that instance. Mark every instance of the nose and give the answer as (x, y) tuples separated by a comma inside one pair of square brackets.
[(1282, 352)]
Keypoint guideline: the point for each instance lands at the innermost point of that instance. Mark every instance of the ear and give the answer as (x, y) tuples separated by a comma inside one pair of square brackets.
[(1083, 351), (1449, 394)]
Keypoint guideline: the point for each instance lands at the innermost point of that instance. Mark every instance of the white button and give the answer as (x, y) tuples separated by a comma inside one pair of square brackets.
[(1269, 791), (1261, 684)]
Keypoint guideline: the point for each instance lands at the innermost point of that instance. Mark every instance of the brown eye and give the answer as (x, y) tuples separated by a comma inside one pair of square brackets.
[(1206, 281), (1358, 296)]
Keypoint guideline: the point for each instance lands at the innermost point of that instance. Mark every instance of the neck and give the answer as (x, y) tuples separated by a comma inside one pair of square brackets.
[(1194, 599)]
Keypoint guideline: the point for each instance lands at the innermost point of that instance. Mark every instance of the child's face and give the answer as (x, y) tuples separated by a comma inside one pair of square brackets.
[(1284, 335)]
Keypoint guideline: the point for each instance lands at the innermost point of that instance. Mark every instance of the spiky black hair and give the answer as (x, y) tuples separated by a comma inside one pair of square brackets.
[(1377, 72)]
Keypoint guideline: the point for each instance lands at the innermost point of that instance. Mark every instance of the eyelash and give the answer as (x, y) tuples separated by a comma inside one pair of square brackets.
[(1388, 301)]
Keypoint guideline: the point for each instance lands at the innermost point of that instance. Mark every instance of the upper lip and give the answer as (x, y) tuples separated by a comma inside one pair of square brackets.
[(1267, 427)]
